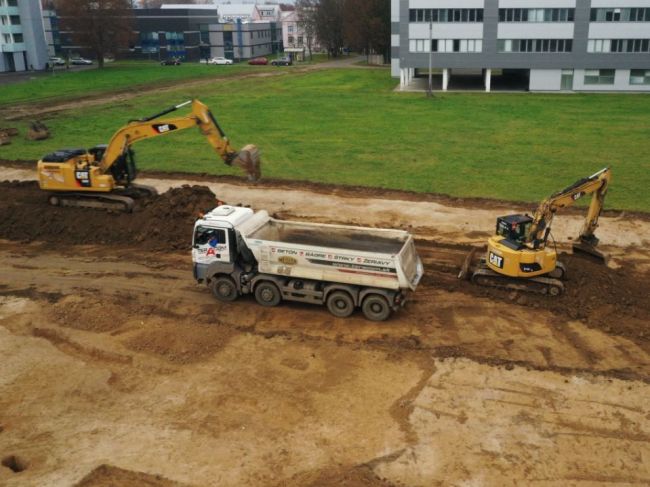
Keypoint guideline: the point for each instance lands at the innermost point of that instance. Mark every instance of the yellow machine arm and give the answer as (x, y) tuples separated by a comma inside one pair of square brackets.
[(596, 184), (201, 117)]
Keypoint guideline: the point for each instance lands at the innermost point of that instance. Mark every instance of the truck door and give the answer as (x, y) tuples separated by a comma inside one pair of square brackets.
[(210, 245)]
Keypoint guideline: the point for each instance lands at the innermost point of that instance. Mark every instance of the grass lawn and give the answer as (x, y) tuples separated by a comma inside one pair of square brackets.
[(348, 126), (115, 76)]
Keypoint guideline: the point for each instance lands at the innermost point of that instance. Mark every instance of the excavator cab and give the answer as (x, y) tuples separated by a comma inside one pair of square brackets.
[(514, 229)]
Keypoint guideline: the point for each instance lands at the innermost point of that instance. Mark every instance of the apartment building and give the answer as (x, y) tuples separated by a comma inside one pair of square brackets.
[(552, 45), (22, 38)]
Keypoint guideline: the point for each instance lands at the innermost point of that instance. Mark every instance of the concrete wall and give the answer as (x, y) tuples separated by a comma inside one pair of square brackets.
[(545, 79)]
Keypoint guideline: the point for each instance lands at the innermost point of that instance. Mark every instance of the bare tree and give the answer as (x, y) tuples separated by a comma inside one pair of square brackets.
[(101, 26), (367, 26), (306, 15), (329, 25)]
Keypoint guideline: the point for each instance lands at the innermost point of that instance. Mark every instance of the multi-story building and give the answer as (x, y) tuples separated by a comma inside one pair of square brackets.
[(22, 38), (553, 45), (244, 40)]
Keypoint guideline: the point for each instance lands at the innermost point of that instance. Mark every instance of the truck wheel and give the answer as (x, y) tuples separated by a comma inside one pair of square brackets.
[(375, 308), (267, 294), (224, 289), (340, 304)]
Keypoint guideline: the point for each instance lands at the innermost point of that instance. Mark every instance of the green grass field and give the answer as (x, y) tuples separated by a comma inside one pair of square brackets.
[(115, 76), (347, 126)]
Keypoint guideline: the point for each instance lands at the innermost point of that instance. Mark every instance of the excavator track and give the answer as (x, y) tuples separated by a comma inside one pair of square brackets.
[(484, 276), (93, 200)]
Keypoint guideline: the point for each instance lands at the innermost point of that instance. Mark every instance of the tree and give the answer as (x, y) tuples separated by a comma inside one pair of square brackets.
[(367, 26), (329, 25), (101, 26), (306, 15)]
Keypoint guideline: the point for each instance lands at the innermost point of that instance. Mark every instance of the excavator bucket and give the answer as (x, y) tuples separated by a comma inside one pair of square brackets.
[(584, 248), (467, 264), (249, 160)]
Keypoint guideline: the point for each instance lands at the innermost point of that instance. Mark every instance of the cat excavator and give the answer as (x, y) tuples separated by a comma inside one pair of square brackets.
[(519, 256), (102, 176)]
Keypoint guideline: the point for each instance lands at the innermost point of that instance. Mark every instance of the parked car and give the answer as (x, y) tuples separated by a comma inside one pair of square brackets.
[(282, 61), (219, 60), (259, 60), (172, 61), (80, 61), (57, 61)]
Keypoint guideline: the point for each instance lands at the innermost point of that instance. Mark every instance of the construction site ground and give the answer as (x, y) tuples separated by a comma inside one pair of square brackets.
[(118, 369)]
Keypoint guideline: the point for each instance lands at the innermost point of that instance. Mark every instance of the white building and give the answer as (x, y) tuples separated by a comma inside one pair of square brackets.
[(22, 37), (548, 45)]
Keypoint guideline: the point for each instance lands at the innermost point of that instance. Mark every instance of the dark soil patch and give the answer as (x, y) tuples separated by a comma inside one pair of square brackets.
[(163, 222), (14, 463)]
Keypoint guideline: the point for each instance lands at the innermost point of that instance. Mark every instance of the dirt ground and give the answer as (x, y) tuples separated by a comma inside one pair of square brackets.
[(118, 369)]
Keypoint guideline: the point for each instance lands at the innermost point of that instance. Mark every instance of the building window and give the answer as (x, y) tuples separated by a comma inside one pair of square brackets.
[(290, 39), (618, 45), (536, 14), (290, 29), (640, 77), (446, 15), (534, 45), (599, 76), (620, 15), (446, 45), (299, 41)]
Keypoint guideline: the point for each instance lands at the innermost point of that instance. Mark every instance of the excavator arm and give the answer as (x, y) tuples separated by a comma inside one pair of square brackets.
[(248, 158), (596, 185)]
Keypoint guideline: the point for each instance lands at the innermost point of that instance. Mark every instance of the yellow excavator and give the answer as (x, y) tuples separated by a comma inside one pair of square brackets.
[(102, 176), (518, 257)]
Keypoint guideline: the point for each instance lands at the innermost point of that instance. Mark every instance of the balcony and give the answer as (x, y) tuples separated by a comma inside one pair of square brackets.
[(11, 29), (15, 47), (9, 11)]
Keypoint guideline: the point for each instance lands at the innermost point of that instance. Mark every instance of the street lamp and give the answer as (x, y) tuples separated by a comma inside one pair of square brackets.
[(430, 90)]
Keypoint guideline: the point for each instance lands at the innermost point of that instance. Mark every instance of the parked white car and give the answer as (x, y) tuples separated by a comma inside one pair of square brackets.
[(219, 60), (80, 61), (57, 61)]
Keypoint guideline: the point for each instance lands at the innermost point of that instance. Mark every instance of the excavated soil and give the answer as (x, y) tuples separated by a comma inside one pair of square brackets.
[(118, 369), (612, 300), (158, 223)]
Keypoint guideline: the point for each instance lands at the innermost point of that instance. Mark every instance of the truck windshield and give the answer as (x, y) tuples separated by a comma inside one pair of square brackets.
[(204, 235)]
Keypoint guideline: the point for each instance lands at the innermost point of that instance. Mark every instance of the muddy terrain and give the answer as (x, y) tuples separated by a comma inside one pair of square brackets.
[(118, 369)]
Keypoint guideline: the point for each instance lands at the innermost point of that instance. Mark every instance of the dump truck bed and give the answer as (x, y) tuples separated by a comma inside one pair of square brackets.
[(334, 236), (337, 253)]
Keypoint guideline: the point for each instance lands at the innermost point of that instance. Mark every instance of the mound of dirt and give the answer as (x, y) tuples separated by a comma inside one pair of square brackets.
[(361, 476), (181, 344), (110, 476), (162, 222), (612, 300)]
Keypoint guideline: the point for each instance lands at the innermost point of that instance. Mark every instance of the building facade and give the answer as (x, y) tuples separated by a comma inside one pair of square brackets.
[(245, 40), (22, 38), (555, 45)]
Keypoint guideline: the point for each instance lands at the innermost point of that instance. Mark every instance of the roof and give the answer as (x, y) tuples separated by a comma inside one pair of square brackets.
[(188, 6), (236, 9)]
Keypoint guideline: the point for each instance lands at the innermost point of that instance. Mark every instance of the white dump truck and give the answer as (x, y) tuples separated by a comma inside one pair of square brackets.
[(237, 251)]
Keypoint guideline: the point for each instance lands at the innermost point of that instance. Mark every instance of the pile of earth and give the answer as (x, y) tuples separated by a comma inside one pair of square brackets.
[(162, 222), (612, 300)]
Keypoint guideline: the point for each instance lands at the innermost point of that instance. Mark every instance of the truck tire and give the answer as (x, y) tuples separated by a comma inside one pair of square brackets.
[(267, 294), (224, 289), (340, 304), (375, 307)]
